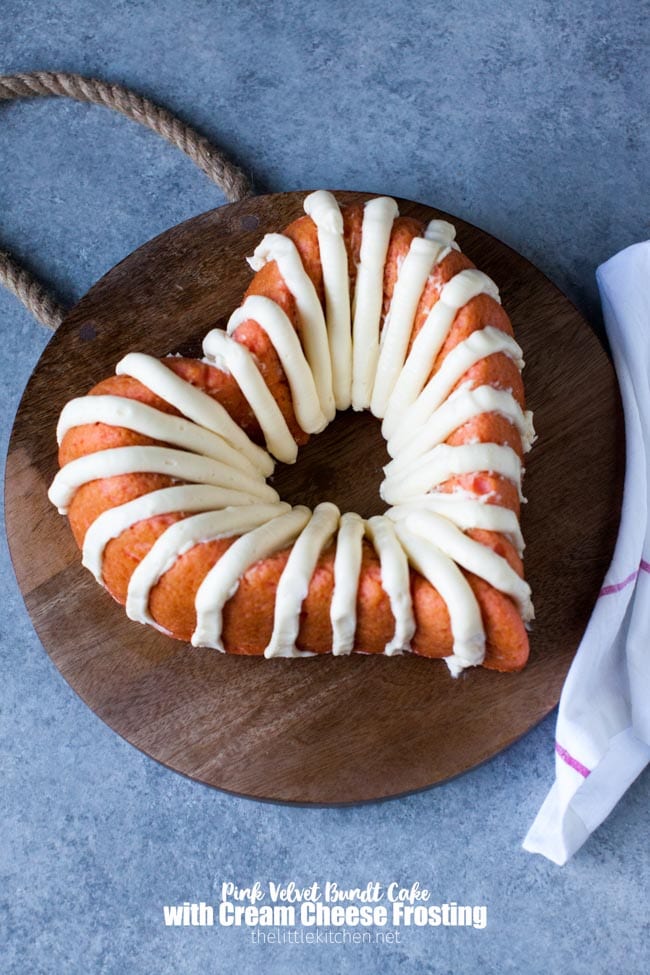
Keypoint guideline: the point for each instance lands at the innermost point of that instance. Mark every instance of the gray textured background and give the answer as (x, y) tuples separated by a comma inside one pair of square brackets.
[(528, 119)]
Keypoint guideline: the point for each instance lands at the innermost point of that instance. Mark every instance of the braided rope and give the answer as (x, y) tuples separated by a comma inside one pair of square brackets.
[(28, 290), (206, 156)]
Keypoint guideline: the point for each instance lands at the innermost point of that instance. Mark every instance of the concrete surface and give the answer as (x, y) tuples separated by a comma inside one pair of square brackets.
[(528, 119)]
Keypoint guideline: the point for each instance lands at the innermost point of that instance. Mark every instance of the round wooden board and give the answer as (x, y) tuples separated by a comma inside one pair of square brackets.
[(325, 730)]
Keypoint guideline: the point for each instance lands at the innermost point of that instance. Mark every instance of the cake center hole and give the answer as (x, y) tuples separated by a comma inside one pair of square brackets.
[(343, 464)]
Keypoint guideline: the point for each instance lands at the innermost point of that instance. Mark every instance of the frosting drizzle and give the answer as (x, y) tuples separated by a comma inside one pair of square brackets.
[(341, 354)]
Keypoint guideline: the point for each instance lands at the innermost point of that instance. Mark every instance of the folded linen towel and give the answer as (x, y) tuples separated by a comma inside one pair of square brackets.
[(603, 727)]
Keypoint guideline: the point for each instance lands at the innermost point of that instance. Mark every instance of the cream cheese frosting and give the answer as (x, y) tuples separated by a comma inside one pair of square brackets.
[(324, 210), (282, 250), (284, 338), (347, 568), (192, 403), (395, 582), (294, 581), (378, 217), (445, 576), (427, 343), (223, 580), (183, 535), (233, 357), (342, 355)]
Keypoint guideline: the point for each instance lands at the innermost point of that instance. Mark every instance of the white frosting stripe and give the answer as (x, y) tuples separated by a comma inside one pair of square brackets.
[(466, 514), (186, 498), (181, 537), (118, 411), (179, 464), (333, 357), (442, 232), (478, 345), (347, 568), (462, 405), (395, 581), (324, 210), (464, 612), (473, 556), (445, 461), (223, 350), (284, 338), (378, 217), (222, 581), (427, 344), (282, 250), (294, 581), (192, 403), (423, 254)]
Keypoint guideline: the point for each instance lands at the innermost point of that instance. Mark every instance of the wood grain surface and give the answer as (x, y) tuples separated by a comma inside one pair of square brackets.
[(323, 730)]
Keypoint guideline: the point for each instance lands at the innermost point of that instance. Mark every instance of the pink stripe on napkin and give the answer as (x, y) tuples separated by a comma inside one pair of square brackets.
[(570, 760), (617, 586)]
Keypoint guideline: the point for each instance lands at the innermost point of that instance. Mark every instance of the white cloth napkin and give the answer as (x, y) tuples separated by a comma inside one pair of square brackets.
[(603, 726)]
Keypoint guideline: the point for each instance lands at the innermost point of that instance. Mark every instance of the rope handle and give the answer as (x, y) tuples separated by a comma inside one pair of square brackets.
[(214, 163)]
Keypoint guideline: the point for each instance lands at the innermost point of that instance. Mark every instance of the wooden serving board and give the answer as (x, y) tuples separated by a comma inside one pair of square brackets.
[(325, 730)]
